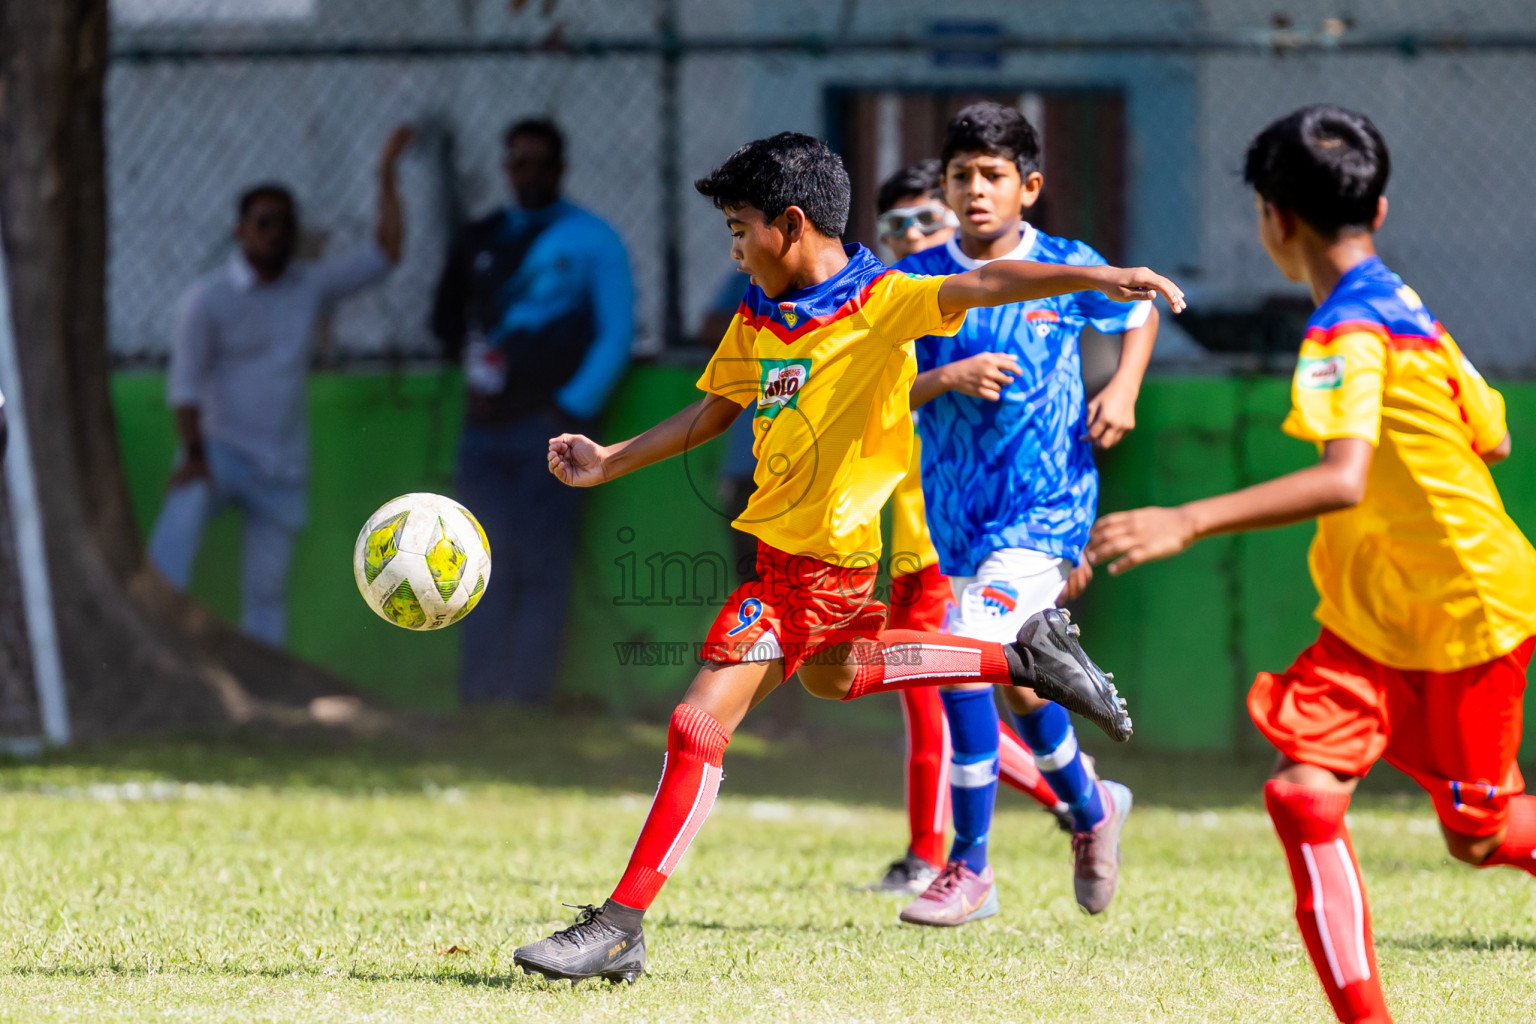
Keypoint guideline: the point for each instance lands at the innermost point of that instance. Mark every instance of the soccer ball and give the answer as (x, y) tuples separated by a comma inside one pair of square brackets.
[(422, 561)]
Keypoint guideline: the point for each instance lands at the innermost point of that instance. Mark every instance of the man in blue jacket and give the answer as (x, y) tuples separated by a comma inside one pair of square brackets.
[(537, 302)]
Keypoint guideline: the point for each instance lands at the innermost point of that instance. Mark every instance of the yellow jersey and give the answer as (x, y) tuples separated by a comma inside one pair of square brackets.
[(912, 547), (1427, 571), (829, 369)]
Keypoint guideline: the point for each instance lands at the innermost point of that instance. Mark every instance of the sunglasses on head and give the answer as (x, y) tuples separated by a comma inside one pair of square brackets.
[(927, 219)]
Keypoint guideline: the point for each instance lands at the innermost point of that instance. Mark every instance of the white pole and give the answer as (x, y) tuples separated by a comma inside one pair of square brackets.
[(26, 514)]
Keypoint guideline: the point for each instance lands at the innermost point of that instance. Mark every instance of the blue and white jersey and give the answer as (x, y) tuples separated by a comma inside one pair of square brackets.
[(1019, 472)]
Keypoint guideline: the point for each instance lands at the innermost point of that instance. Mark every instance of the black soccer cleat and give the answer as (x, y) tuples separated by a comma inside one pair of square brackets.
[(1048, 659), (605, 942), (911, 875)]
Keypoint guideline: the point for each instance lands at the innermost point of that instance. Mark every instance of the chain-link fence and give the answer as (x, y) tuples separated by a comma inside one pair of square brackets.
[(1145, 104)]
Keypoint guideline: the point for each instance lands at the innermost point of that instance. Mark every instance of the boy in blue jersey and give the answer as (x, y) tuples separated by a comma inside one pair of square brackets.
[(1011, 492)]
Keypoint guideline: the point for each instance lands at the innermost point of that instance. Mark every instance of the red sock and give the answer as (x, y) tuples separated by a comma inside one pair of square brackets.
[(903, 658), (1518, 850), (1016, 766), (690, 778), (1331, 909), (927, 773)]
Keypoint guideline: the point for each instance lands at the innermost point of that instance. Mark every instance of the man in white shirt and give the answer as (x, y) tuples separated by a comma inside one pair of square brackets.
[(241, 351)]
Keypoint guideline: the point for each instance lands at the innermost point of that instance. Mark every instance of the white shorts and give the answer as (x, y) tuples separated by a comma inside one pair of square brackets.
[(1009, 586)]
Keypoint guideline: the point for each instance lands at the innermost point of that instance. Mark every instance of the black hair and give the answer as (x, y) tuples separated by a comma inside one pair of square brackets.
[(925, 178), (1326, 164), (266, 190), (784, 170), (538, 128), (995, 130)]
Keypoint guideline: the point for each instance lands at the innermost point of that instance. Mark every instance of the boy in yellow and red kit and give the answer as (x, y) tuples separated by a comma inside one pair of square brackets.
[(1428, 589), (821, 350)]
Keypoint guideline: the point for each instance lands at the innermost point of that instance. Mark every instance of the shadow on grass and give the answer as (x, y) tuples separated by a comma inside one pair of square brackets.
[(510, 978), (605, 756), (1432, 943)]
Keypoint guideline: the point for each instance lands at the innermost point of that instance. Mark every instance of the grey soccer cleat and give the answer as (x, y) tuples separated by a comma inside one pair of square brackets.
[(1048, 659), (910, 875), (605, 942), (1063, 815), (1096, 853)]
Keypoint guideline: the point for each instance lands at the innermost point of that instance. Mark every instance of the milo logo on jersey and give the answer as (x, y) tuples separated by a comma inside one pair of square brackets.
[(1323, 374), (782, 382), (1042, 320)]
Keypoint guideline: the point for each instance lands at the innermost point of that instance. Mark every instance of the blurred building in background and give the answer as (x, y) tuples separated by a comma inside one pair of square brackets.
[(1145, 107)]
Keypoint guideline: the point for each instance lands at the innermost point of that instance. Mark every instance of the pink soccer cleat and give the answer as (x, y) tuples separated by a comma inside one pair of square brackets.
[(1096, 853), (957, 896)]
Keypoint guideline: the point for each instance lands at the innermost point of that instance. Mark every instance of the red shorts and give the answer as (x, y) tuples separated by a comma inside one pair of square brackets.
[(1456, 733), (799, 607), (920, 600)]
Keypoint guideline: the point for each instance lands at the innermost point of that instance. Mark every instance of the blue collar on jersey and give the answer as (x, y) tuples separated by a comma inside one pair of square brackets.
[(1370, 267), (794, 314)]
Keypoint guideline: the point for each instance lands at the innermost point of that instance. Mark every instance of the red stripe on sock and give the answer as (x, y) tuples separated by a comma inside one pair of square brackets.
[(690, 778), (904, 658), (927, 765), (1518, 850), (1331, 908), (1016, 766)]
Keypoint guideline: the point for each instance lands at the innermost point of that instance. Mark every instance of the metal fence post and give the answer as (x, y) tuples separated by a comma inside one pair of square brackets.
[(31, 553)]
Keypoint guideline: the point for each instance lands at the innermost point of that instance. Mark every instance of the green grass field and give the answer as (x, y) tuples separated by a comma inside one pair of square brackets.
[(262, 879)]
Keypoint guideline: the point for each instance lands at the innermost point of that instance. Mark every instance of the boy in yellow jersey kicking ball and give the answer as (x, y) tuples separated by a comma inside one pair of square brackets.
[(822, 346), (1428, 588)]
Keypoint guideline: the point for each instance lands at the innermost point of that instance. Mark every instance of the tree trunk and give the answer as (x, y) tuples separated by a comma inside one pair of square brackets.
[(137, 655), (19, 713)]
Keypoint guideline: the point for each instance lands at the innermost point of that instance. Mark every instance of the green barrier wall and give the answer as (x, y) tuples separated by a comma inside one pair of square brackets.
[(1184, 637), (376, 436), (373, 437)]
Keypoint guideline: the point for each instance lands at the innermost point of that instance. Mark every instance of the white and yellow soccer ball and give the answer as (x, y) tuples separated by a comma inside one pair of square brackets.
[(422, 561)]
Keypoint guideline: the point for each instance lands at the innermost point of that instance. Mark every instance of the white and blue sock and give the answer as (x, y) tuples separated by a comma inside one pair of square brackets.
[(973, 733), (1048, 732)]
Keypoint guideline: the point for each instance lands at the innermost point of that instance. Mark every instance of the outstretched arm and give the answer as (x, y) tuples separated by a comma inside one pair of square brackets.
[(1128, 539), (581, 462), (1003, 281), (338, 276), (389, 222)]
